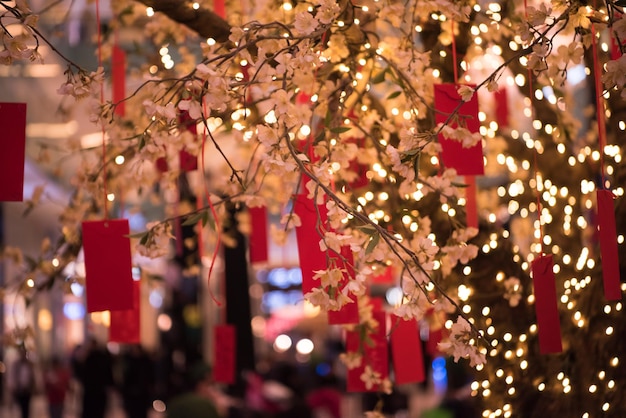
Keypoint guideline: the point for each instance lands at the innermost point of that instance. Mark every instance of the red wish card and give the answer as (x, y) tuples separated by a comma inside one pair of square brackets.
[(118, 79), (108, 265), (188, 161), (471, 205), (608, 245), (349, 313), (125, 325), (258, 235), (13, 143), (466, 161), (548, 324), (406, 349), (502, 107), (225, 349), (375, 355), (384, 275), (308, 237)]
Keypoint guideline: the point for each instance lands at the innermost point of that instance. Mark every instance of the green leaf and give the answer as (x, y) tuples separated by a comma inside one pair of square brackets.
[(340, 129), (367, 229), (372, 244), (394, 95), (328, 119), (144, 239), (193, 219), (380, 77), (208, 220), (416, 165)]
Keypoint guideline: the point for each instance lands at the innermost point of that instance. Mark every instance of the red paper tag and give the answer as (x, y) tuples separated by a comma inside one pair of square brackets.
[(225, 349), (502, 108), (615, 47), (384, 277), (471, 210), (360, 169), (108, 265), (13, 143), (466, 161), (118, 79), (375, 355), (258, 236), (219, 8), (406, 349), (435, 336), (125, 325), (548, 324), (308, 237), (188, 162), (608, 245), (349, 313), (161, 165)]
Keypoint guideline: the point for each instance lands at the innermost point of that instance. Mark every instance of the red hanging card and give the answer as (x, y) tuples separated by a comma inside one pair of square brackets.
[(471, 210), (615, 46), (349, 313), (466, 161), (435, 336), (125, 325), (375, 355), (13, 143), (308, 237), (608, 245), (118, 79), (108, 265), (548, 324), (384, 276), (225, 349), (502, 108), (360, 169), (161, 165), (258, 235), (188, 162), (219, 8), (406, 349)]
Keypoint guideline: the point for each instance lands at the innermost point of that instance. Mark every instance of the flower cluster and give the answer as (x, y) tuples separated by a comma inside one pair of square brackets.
[(458, 344)]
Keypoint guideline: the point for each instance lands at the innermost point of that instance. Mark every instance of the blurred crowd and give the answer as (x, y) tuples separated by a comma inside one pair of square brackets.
[(83, 385)]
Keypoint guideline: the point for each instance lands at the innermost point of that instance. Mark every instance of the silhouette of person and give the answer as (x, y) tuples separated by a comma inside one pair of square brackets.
[(95, 374), (56, 381), (195, 403), (137, 382), (23, 375)]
